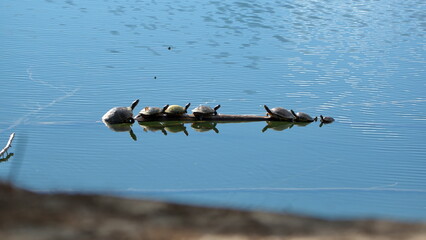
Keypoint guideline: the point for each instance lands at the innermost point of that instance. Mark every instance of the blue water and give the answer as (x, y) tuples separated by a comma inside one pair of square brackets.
[(65, 63)]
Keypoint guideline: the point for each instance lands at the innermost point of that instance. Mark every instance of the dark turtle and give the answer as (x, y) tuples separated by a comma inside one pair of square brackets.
[(204, 126), (279, 113), (204, 111), (151, 112), (120, 114), (326, 119), (176, 110), (303, 117)]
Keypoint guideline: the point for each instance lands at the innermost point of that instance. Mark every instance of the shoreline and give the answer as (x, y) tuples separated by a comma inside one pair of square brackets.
[(29, 215)]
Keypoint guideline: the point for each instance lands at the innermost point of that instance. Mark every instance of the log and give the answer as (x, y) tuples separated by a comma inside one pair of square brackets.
[(216, 118), (8, 144)]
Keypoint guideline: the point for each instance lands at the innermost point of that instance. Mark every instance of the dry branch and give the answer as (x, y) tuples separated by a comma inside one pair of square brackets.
[(8, 144)]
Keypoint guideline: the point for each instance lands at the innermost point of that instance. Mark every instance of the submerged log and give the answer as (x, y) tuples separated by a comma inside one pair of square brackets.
[(216, 118)]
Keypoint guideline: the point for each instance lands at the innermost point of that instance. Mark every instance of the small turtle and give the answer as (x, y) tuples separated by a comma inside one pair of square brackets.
[(303, 117), (204, 111), (151, 112), (120, 114), (176, 110), (326, 119), (279, 113)]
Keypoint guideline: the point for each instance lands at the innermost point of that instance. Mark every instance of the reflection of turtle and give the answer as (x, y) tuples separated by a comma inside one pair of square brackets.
[(122, 127), (204, 126), (277, 126), (153, 127), (176, 110), (120, 114), (302, 124), (175, 127), (204, 111), (303, 117), (279, 113), (152, 112)]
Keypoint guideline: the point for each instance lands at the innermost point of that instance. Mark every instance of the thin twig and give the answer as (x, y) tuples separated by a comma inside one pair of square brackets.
[(8, 144)]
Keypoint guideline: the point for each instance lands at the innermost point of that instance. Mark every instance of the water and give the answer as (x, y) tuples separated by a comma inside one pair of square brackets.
[(65, 63)]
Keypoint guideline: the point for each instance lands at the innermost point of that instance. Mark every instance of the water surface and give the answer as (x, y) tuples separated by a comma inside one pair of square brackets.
[(65, 63)]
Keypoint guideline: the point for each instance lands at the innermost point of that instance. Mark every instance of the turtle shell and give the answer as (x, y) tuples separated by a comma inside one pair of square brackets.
[(176, 109), (303, 117), (120, 114), (280, 113), (326, 119), (206, 110), (151, 111)]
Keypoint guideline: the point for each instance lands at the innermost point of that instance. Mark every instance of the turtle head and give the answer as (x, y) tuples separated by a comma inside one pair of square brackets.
[(131, 120), (315, 119), (165, 108), (137, 116), (187, 106), (322, 118), (294, 114), (134, 104), (267, 109), (216, 108)]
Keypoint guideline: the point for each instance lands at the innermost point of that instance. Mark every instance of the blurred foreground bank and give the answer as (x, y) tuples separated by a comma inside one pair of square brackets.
[(28, 215)]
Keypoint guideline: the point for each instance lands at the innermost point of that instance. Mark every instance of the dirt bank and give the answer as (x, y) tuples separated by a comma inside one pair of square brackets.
[(28, 215)]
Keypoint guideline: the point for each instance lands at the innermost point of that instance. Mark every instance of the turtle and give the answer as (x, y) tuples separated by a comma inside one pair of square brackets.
[(204, 111), (151, 112), (176, 110), (326, 119), (279, 113), (303, 117), (120, 114)]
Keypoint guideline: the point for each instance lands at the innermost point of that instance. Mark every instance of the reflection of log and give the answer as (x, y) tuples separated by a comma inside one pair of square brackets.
[(217, 118), (8, 144), (6, 158)]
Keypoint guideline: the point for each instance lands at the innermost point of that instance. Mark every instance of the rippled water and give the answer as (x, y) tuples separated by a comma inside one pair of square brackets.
[(65, 63)]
